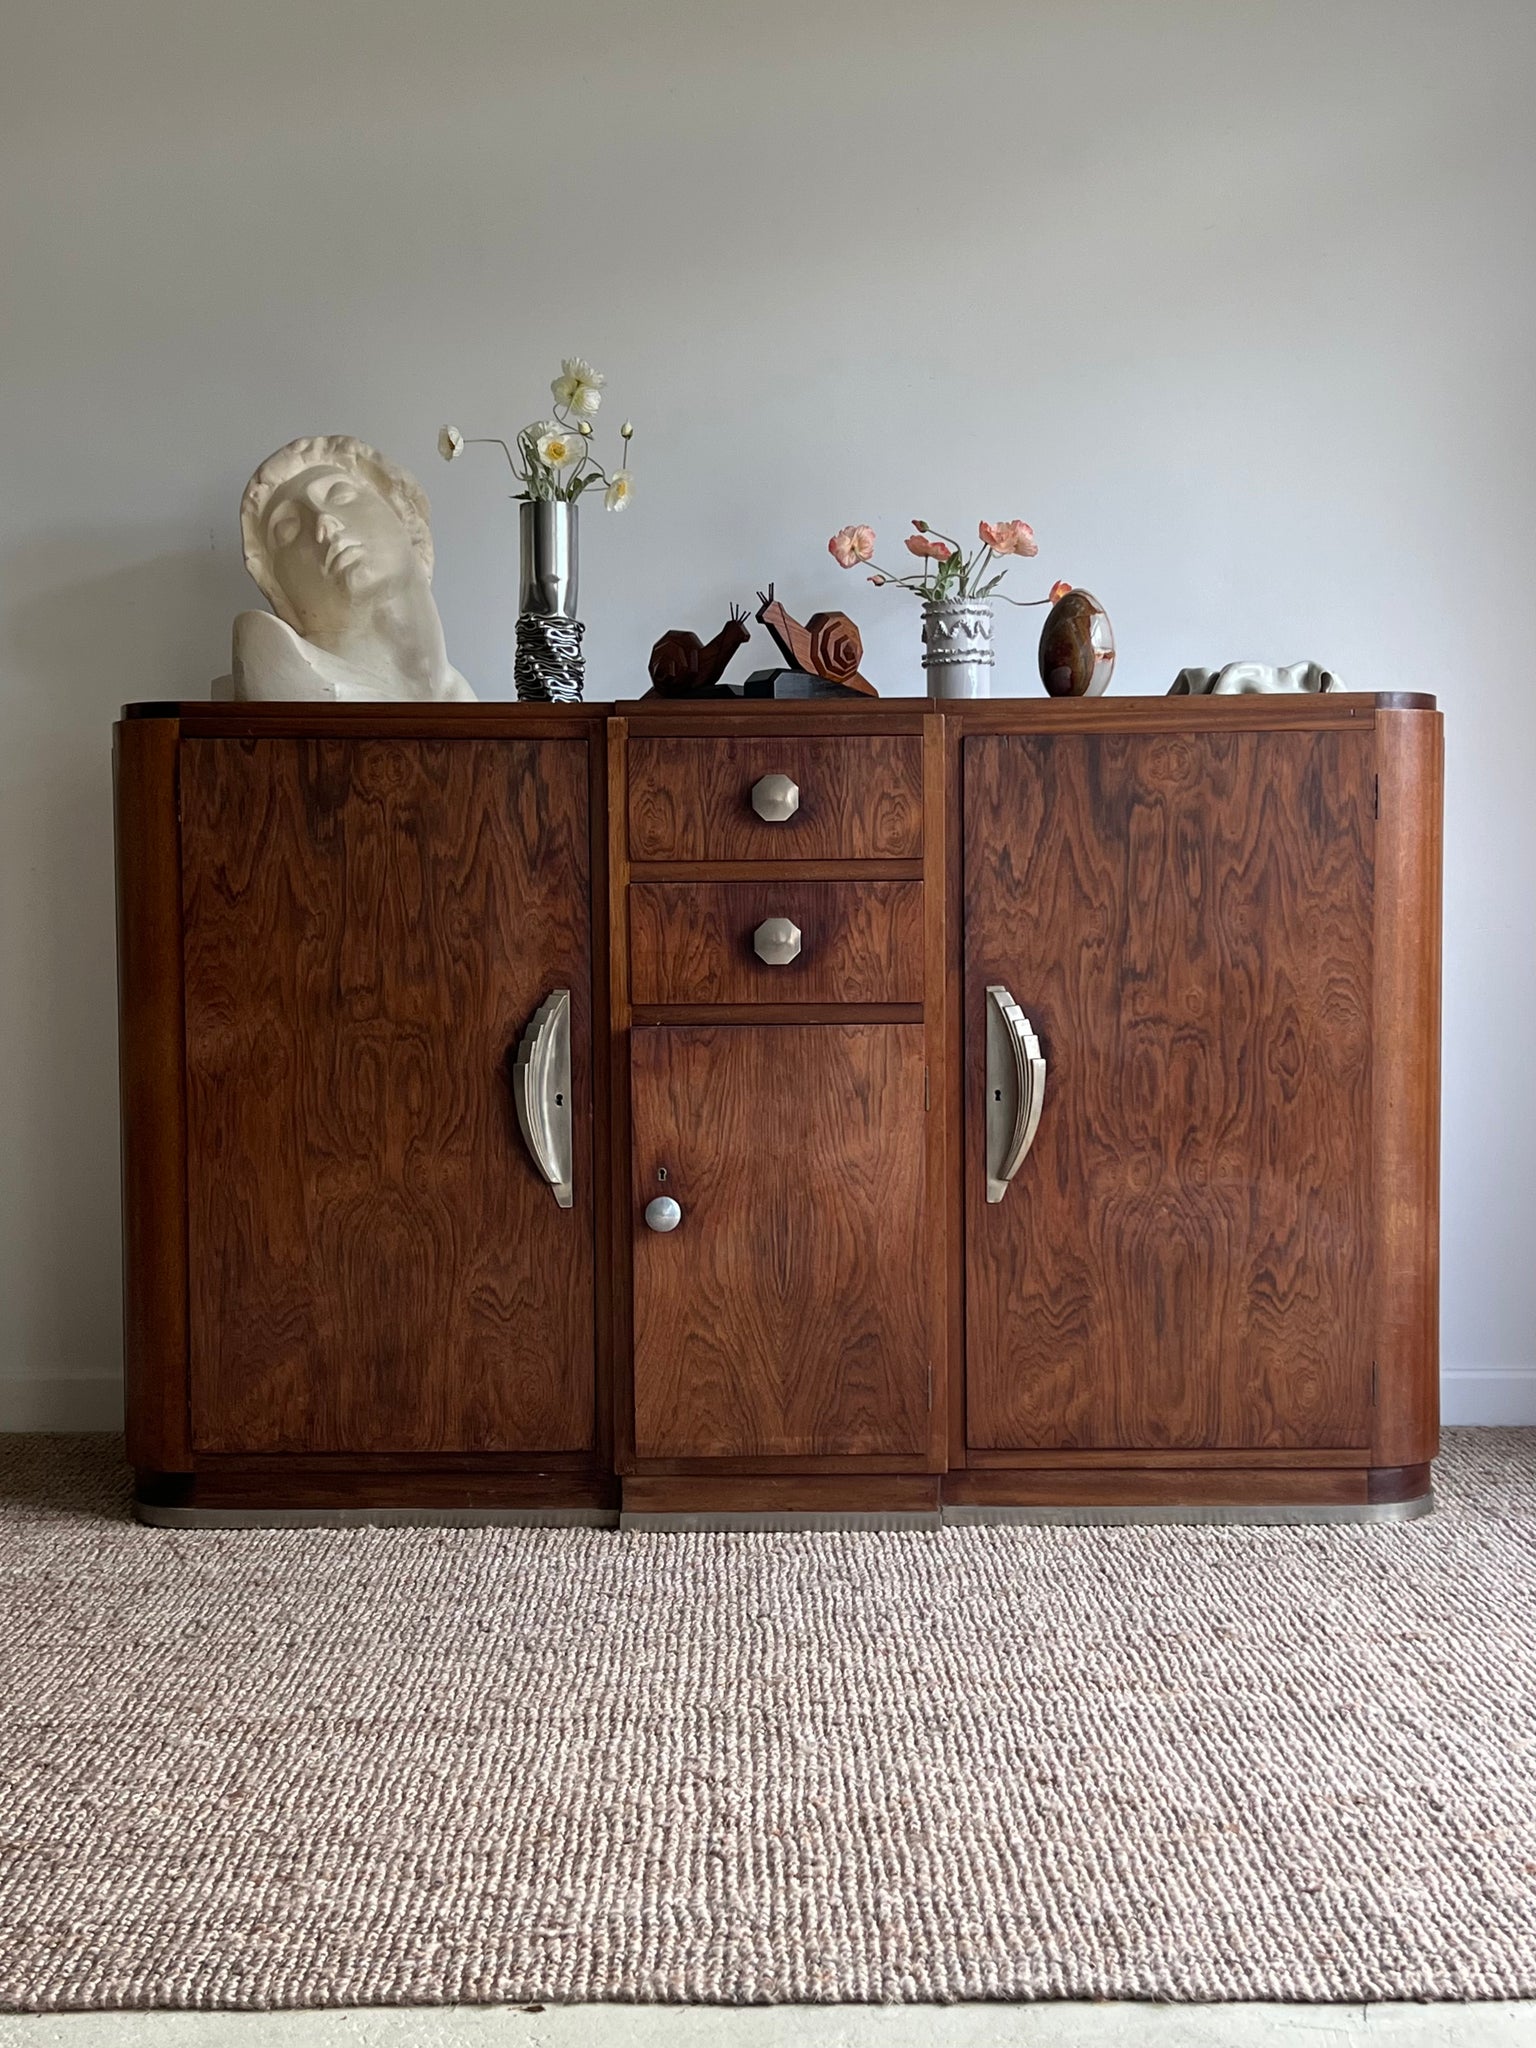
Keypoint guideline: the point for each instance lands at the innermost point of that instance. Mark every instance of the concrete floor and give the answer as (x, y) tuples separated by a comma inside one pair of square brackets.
[(837, 2026)]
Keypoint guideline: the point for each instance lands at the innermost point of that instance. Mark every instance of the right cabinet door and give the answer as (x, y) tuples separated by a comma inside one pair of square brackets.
[(1182, 1260)]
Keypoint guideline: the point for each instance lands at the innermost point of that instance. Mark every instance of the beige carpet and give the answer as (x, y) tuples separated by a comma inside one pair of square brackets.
[(411, 1766)]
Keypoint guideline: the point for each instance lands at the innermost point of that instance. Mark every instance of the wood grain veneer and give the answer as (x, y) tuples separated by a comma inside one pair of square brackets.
[(376, 1264), (861, 796), (1185, 1256), (1410, 763), (1224, 1239), (691, 942), (789, 1311)]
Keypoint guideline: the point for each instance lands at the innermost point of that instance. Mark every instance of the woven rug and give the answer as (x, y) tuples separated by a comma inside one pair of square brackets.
[(420, 1766)]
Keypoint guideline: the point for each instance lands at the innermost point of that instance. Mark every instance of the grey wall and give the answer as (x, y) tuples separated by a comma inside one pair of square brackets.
[(1235, 302)]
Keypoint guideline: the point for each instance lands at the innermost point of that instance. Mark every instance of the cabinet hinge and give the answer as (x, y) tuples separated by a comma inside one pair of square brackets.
[(927, 1104), (1373, 1383), (1376, 797), (930, 1386)]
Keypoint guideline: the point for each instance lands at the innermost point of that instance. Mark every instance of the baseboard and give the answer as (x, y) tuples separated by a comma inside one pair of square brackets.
[(1503, 1395), (66, 1406)]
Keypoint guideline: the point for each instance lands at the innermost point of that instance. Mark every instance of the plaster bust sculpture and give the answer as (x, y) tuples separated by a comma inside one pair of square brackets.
[(337, 540), (1255, 679)]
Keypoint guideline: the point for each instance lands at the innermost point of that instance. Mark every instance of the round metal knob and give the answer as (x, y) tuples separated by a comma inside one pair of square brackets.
[(663, 1213), (775, 798), (776, 941)]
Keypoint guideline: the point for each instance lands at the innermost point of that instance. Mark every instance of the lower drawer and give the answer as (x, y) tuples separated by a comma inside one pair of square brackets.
[(693, 942)]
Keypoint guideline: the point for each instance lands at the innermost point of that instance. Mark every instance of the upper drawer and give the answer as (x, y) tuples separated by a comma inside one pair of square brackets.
[(860, 798)]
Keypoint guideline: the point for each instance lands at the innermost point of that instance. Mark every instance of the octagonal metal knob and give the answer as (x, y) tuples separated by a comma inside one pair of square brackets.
[(776, 941), (775, 798), (663, 1213)]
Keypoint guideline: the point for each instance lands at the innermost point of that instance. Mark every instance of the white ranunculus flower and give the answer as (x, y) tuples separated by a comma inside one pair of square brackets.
[(578, 387), (450, 442), (559, 448), (619, 492)]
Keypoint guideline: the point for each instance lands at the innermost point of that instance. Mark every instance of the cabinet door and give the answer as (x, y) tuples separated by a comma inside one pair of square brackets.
[(1183, 1260), (376, 1264), (787, 1313)]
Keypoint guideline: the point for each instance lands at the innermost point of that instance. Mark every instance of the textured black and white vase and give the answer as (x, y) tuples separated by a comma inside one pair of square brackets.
[(549, 667), (957, 648)]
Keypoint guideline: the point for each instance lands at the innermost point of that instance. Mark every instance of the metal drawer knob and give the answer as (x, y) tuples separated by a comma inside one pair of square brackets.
[(775, 798), (776, 941), (662, 1213)]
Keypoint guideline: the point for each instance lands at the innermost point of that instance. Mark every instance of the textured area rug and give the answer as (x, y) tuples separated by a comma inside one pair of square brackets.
[(421, 1766)]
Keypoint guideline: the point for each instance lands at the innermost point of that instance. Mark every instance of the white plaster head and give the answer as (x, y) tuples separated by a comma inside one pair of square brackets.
[(337, 540), (331, 526)]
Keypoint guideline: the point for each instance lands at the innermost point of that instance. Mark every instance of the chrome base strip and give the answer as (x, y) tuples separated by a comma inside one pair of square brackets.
[(376, 1518), (1252, 1516), (725, 1521)]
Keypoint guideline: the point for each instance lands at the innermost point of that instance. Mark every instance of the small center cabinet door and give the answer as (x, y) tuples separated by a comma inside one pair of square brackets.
[(1183, 1258), (786, 1314), (376, 1263)]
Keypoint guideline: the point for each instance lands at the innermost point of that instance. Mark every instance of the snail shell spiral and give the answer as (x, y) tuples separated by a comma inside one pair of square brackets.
[(836, 648)]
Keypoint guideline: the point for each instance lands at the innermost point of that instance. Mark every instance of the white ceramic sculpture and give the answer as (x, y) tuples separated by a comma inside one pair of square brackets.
[(338, 542), (1255, 679)]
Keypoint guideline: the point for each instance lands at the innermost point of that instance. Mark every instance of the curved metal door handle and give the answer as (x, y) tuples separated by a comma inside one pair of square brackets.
[(541, 1087), (1015, 1088)]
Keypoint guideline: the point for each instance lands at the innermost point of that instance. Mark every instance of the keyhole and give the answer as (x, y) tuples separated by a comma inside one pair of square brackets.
[(559, 1100), (661, 1173), (997, 1094)]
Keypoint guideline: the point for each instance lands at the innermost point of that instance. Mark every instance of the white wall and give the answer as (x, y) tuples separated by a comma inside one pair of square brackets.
[(1232, 298)]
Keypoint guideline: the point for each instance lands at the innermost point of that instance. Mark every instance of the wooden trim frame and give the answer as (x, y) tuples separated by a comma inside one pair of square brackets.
[(939, 1018), (602, 1093), (1410, 768), (950, 1095), (620, 1021), (152, 1093)]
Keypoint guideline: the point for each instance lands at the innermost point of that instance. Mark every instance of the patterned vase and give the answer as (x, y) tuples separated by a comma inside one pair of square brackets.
[(549, 667), (957, 648)]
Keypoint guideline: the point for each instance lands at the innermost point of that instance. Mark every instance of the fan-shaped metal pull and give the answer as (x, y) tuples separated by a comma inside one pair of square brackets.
[(1015, 1088), (541, 1087)]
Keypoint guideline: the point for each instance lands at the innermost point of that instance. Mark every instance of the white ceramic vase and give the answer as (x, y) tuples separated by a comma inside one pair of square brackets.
[(957, 647)]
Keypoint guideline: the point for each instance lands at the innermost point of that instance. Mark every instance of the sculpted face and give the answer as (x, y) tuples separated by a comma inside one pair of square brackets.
[(332, 541)]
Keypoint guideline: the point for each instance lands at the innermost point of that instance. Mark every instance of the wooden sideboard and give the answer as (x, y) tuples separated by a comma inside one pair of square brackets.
[(706, 1112)]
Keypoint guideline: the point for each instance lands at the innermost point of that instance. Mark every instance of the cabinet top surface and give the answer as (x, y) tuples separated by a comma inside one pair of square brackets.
[(713, 715)]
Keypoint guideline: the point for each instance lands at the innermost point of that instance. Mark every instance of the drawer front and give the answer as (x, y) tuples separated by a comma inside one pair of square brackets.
[(860, 798), (693, 942)]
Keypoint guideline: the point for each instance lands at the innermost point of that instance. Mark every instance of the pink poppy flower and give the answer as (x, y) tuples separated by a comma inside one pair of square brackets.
[(934, 550), (1009, 537), (852, 545)]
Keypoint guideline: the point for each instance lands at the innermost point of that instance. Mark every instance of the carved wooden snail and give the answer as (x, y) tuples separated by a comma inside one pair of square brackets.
[(682, 665), (828, 645)]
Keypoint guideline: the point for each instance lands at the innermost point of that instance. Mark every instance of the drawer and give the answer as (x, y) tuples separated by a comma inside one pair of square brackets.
[(859, 798), (692, 942)]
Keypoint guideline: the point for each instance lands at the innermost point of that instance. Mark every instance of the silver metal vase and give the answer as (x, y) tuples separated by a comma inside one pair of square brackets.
[(957, 648), (549, 667)]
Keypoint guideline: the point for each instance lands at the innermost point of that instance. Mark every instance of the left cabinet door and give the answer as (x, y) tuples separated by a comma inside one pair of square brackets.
[(376, 1263)]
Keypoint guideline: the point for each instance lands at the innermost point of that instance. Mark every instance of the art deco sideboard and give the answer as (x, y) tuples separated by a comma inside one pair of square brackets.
[(888, 1111)]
